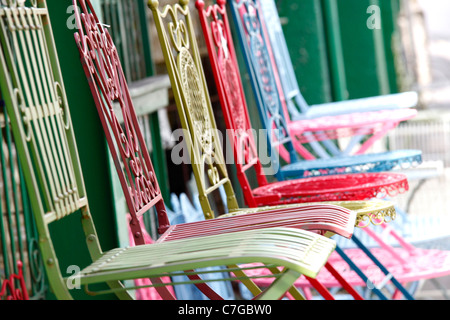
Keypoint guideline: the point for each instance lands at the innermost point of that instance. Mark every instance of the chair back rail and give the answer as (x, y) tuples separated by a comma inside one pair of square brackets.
[(222, 55), (41, 125), (183, 63), (108, 85)]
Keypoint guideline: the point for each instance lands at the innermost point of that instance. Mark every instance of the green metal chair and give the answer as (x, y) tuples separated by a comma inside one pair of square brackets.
[(40, 120)]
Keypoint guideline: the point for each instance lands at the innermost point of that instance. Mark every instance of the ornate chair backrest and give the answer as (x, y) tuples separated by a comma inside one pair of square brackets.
[(222, 55), (185, 70), (294, 99), (126, 142), (269, 99), (36, 104)]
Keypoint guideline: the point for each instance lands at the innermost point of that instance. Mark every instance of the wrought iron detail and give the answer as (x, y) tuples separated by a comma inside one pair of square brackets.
[(107, 81), (8, 285)]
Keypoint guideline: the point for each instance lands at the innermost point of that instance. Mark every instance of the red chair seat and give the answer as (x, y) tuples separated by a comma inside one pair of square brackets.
[(333, 188), (325, 217)]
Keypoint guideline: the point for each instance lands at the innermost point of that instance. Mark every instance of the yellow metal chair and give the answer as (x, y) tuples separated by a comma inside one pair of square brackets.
[(202, 138)]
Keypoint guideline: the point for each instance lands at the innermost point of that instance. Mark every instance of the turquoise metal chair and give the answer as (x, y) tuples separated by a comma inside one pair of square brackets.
[(298, 108)]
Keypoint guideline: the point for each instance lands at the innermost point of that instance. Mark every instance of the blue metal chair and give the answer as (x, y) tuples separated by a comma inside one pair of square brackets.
[(269, 102)]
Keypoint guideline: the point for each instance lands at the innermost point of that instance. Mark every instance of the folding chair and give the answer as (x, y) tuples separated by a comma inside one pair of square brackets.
[(108, 85), (320, 131), (223, 60), (199, 129), (42, 129)]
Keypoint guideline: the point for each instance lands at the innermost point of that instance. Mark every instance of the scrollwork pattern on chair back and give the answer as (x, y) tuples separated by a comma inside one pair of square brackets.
[(110, 91)]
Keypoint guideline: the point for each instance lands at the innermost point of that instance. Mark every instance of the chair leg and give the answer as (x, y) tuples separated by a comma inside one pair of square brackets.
[(163, 291), (358, 271), (320, 288), (279, 287), (343, 282), (382, 267), (295, 294)]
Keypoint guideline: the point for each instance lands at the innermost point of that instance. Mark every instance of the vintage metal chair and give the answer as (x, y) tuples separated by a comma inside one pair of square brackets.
[(327, 187), (8, 286), (294, 217), (108, 85), (368, 125), (42, 129), (200, 134), (297, 106), (223, 60)]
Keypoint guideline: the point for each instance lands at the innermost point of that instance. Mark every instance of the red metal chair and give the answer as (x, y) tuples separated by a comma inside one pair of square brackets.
[(110, 91), (341, 187)]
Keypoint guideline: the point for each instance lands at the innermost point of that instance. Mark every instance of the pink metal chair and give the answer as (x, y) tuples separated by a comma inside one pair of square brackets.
[(405, 263)]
